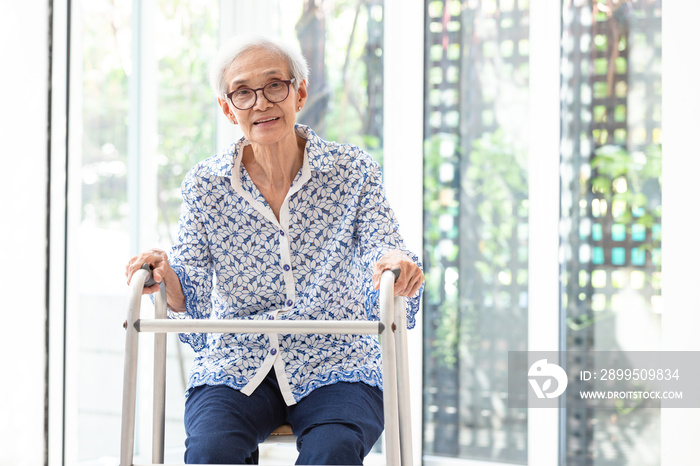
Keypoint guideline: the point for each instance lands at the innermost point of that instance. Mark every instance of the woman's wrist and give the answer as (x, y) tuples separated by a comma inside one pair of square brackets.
[(173, 287)]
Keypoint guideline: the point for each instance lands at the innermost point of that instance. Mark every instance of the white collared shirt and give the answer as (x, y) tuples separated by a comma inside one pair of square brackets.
[(236, 260)]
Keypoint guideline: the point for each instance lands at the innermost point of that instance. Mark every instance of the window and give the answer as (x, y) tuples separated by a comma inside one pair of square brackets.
[(483, 82), (476, 227), (611, 212)]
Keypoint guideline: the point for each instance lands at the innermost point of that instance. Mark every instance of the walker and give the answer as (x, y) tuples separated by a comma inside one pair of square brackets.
[(391, 327)]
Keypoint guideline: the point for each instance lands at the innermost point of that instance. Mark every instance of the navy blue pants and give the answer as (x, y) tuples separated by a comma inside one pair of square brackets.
[(335, 424)]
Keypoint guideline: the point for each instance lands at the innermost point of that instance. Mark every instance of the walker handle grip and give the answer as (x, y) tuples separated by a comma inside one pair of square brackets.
[(150, 281)]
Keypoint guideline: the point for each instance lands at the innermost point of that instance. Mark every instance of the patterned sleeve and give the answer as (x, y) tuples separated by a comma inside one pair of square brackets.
[(191, 260), (378, 232)]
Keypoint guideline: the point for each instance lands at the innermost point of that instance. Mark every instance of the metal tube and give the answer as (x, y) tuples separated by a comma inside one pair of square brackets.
[(260, 326), (391, 414), (131, 351), (159, 368), (404, 392)]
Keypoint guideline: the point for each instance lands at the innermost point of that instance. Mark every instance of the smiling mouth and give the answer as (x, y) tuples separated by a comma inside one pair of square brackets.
[(266, 121)]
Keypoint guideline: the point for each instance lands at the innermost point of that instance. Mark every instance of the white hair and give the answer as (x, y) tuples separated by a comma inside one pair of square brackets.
[(234, 48)]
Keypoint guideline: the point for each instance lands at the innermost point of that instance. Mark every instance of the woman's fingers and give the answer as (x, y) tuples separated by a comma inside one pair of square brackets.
[(410, 278), (156, 259), (409, 281)]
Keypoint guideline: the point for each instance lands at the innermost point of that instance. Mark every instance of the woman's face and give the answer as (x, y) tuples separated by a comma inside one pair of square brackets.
[(265, 123)]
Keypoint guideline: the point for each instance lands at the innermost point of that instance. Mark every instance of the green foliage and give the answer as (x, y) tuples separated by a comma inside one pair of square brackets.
[(439, 200), (186, 105), (185, 37), (353, 75), (496, 179), (629, 179), (105, 117)]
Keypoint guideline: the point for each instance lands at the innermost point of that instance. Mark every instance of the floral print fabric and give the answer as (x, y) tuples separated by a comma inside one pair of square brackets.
[(235, 259)]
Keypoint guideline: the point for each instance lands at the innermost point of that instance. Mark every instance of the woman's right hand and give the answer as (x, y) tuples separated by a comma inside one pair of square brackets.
[(157, 259)]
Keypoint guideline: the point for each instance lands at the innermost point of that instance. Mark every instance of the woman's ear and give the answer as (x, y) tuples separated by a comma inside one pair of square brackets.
[(226, 108), (302, 94)]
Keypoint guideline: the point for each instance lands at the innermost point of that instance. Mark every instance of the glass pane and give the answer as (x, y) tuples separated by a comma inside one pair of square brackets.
[(476, 226), (185, 121), (95, 294), (611, 212), (343, 42), (185, 37)]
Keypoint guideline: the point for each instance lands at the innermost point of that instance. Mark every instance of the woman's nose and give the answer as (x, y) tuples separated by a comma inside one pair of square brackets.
[(261, 101)]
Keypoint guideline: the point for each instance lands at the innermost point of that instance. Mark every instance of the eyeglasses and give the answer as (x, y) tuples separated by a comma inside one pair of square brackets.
[(245, 97)]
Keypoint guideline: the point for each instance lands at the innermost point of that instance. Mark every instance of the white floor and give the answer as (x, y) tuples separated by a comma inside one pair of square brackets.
[(281, 454)]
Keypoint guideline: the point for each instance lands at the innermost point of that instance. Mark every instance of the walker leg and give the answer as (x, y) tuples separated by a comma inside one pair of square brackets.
[(404, 393), (391, 410), (159, 368), (131, 353)]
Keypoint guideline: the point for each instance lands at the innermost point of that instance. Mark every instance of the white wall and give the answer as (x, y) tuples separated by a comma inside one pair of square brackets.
[(680, 428), (23, 126)]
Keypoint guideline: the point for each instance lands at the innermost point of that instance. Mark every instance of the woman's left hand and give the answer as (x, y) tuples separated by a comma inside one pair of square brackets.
[(410, 279)]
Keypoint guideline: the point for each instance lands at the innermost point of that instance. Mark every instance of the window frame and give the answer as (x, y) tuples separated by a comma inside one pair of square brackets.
[(403, 157), (59, 57), (680, 428), (544, 313)]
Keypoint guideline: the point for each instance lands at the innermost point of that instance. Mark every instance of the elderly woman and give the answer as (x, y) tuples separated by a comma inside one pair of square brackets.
[(282, 225)]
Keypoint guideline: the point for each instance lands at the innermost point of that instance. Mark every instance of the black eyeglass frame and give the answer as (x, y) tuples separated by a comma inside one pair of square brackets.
[(288, 82)]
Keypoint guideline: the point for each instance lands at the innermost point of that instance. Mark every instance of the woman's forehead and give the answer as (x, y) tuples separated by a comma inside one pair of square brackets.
[(256, 64)]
